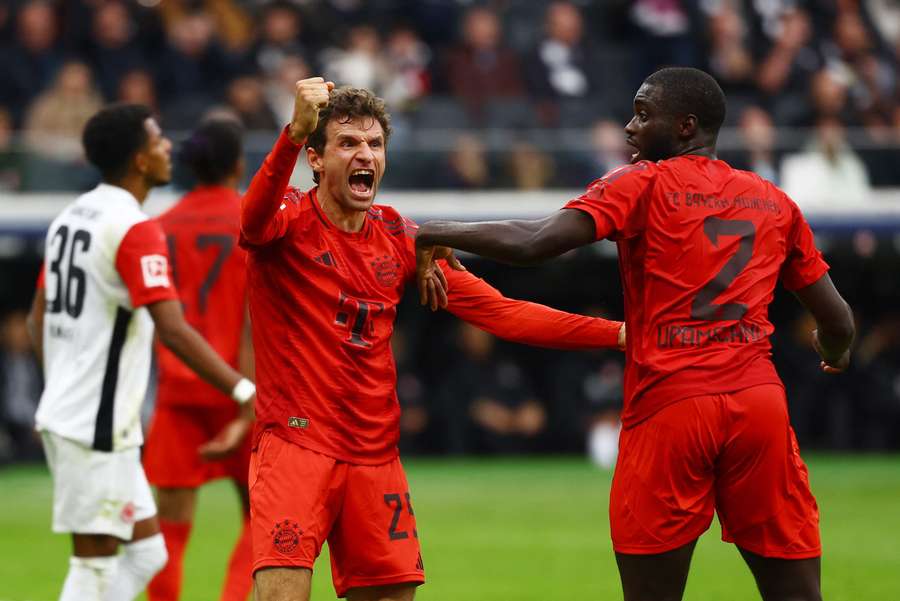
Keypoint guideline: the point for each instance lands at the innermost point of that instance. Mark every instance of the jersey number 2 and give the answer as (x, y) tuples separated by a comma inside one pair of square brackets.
[(703, 308), (69, 294)]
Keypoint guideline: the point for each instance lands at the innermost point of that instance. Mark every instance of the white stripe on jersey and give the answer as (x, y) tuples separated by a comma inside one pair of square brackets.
[(96, 345)]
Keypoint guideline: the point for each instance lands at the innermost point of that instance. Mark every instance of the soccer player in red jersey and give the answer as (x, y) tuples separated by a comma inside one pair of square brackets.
[(326, 270), (209, 271), (705, 422)]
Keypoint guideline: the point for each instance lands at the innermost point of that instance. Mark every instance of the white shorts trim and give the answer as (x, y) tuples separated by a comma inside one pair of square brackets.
[(96, 492)]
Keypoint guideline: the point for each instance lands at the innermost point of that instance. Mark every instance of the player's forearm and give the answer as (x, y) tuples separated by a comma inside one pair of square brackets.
[(518, 242), (266, 192), (34, 322), (189, 346), (834, 318)]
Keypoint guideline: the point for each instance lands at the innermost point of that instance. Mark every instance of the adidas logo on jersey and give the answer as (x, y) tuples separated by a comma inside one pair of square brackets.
[(325, 259)]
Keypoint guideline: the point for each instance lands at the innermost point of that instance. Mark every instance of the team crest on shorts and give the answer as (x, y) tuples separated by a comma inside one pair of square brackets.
[(286, 536), (387, 270)]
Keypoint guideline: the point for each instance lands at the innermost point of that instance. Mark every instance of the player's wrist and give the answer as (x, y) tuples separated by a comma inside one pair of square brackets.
[(243, 391), (297, 134)]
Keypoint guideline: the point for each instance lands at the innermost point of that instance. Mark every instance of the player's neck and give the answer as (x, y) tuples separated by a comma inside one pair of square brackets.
[(135, 184), (699, 149), (346, 220)]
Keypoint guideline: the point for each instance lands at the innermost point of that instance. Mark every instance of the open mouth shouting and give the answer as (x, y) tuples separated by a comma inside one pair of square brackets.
[(362, 182)]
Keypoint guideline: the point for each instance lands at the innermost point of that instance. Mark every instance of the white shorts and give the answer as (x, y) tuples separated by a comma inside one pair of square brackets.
[(96, 492)]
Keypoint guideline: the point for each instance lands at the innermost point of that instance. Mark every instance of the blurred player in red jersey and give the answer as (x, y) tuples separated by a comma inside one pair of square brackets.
[(326, 270), (209, 271), (701, 248)]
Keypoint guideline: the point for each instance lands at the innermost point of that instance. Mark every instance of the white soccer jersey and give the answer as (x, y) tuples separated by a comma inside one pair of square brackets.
[(105, 259)]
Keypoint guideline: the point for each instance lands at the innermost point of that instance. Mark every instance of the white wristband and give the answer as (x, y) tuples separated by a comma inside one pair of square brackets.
[(243, 391)]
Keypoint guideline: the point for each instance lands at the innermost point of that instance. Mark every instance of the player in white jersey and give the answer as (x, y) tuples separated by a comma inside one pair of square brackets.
[(104, 285)]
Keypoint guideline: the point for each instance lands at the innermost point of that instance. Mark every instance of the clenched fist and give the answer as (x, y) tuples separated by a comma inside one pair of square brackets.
[(312, 96)]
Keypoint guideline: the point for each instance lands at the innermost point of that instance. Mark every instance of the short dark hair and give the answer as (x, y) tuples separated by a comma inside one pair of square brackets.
[(113, 136), (685, 90), (213, 150), (345, 104)]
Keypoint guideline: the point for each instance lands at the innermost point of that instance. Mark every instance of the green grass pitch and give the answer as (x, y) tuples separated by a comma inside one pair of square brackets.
[(508, 530)]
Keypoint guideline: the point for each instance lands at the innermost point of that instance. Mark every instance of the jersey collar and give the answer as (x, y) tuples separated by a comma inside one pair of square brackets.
[(117, 194)]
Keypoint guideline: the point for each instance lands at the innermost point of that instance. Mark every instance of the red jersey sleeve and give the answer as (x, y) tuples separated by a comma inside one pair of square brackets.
[(804, 264), (268, 205), (143, 263), (41, 279), (475, 301), (614, 201)]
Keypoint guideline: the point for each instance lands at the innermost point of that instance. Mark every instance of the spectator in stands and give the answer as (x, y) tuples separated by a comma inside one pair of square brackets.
[(114, 48), (11, 158), (20, 388), (786, 61), (193, 69), (280, 27), (408, 60), (758, 140), (828, 173), (29, 63), (729, 58), (828, 97), (664, 34), (55, 120), (231, 21), (527, 168), (481, 68), (468, 167), (488, 399), (246, 98), (280, 86), (138, 87), (870, 78), (559, 67), (359, 62), (608, 149)]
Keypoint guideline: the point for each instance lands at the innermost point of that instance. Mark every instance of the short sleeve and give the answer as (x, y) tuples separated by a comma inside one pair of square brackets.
[(143, 263), (41, 279), (615, 201), (804, 264)]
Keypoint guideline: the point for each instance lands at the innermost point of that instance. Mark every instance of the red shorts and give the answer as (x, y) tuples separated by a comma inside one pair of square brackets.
[(171, 459), (300, 498), (734, 454)]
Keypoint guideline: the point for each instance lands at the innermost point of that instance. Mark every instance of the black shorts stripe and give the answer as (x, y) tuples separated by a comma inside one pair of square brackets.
[(103, 429)]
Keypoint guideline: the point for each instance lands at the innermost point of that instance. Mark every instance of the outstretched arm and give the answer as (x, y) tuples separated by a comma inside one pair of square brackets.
[(474, 300), (834, 323), (519, 242), (262, 202)]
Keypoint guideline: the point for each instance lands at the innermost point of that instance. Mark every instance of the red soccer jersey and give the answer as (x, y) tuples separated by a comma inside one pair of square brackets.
[(210, 274), (701, 247), (323, 304)]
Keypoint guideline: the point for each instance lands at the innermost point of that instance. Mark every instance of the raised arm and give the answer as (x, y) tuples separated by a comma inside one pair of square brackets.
[(834, 323), (475, 301), (262, 202)]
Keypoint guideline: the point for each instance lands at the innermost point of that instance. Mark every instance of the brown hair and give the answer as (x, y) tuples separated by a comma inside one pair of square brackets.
[(345, 104)]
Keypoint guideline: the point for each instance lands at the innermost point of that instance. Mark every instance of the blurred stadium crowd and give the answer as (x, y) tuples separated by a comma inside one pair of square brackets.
[(497, 94), (512, 94)]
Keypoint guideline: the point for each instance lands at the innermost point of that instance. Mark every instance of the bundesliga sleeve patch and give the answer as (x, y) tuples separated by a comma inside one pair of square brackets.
[(155, 269)]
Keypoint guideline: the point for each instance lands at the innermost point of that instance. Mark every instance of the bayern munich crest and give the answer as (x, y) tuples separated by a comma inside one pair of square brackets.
[(387, 270), (286, 536)]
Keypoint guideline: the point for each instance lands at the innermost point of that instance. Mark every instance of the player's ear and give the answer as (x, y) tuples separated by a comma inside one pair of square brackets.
[(314, 159), (688, 127)]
